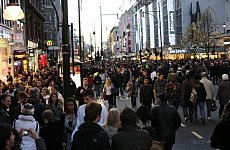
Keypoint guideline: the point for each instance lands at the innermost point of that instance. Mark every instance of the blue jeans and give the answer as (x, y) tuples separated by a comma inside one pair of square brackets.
[(201, 107)]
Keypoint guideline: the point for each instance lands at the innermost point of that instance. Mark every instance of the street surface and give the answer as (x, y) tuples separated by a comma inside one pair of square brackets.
[(190, 136)]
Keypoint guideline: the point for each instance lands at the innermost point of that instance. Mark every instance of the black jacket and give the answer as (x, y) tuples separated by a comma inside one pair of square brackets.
[(4, 116), (52, 133), (221, 135), (166, 120), (130, 138), (90, 136)]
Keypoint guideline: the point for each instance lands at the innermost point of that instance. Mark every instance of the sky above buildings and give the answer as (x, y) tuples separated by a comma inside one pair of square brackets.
[(90, 17)]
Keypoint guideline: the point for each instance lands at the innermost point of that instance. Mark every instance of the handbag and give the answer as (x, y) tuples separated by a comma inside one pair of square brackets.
[(213, 106), (104, 96)]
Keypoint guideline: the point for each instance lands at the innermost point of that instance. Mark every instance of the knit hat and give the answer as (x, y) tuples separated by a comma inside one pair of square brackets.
[(27, 109)]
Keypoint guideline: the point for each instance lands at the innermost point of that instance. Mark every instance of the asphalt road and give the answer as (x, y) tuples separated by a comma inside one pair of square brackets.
[(190, 136)]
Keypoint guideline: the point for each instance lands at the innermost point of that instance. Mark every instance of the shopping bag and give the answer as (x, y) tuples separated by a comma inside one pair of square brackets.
[(213, 105)]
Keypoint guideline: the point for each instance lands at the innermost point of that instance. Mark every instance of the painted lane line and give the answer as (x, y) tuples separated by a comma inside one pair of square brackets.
[(197, 135)]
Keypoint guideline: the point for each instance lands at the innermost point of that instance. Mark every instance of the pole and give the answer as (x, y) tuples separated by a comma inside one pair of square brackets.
[(159, 21), (101, 31), (65, 49), (79, 22), (72, 48)]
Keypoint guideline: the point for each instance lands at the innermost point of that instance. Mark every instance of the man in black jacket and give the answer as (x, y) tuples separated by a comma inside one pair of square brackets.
[(90, 135), (4, 106), (146, 94), (165, 120)]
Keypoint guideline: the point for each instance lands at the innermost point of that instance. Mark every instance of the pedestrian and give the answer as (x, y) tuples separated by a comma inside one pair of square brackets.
[(173, 89), (45, 95), (96, 84), (4, 107), (221, 134), (25, 122), (165, 120), (107, 89), (209, 91), (132, 89), (80, 90), (146, 94), (52, 132), (36, 102), (186, 91), (129, 136), (90, 135), (200, 100), (112, 123), (223, 93), (69, 119), (88, 96), (55, 107), (159, 86)]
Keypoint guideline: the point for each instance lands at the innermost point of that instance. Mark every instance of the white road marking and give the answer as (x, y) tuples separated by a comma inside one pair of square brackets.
[(183, 125), (197, 134)]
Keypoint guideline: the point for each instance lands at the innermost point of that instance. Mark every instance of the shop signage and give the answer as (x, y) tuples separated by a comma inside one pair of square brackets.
[(49, 43), (177, 51), (171, 22), (3, 43), (19, 55)]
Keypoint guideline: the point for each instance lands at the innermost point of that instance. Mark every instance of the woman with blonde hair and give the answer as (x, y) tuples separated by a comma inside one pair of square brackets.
[(107, 90), (112, 123)]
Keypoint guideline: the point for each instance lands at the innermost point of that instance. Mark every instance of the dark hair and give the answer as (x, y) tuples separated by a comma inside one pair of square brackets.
[(163, 97), (4, 96), (92, 110), (50, 98), (71, 99), (48, 115), (128, 117), (5, 133), (88, 92), (22, 94)]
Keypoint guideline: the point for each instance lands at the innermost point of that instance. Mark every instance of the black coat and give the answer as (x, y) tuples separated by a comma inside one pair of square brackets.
[(52, 133), (130, 138), (221, 135), (90, 136), (165, 120), (4, 115)]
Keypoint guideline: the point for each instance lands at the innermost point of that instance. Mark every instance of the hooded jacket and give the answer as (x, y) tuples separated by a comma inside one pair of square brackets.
[(90, 136)]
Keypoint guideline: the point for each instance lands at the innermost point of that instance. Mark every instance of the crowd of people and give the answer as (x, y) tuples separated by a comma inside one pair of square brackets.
[(35, 115)]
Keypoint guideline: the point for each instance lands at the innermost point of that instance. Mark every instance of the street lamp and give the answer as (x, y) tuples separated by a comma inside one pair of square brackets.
[(13, 11), (101, 27)]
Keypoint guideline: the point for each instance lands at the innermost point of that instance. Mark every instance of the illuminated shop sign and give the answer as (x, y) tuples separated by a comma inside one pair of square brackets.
[(177, 51)]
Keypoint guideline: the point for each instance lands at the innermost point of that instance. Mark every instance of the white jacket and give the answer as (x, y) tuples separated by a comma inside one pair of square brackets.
[(208, 87), (27, 122)]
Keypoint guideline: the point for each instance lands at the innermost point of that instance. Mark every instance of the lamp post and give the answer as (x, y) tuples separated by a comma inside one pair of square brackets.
[(65, 49), (13, 11), (101, 27), (79, 24)]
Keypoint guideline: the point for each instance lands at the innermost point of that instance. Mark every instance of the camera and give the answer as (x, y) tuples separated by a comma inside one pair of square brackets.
[(25, 132)]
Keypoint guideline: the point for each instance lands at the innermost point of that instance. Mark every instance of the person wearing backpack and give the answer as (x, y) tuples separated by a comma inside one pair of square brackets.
[(25, 122)]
